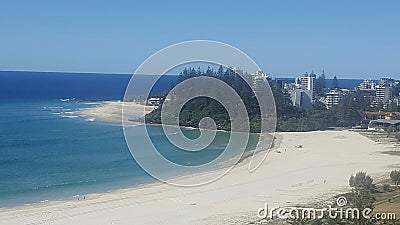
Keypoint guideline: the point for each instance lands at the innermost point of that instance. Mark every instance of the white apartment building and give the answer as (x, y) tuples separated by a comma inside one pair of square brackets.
[(367, 85), (333, 98)]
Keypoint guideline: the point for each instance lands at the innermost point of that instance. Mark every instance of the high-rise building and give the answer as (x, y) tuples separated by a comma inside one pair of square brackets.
[(302, 91), (301, 98), (384, 91), (259, 81), (333, 98), (308, 83)]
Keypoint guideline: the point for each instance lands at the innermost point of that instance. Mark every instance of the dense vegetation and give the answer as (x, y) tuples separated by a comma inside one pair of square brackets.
[(201, 107), (364, 194), (347, 114), (289, 118)]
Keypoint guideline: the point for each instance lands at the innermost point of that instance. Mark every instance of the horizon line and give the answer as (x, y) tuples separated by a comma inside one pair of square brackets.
[(130, 74)]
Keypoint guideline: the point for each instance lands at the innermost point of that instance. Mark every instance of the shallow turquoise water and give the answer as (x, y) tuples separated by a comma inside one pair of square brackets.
[(49, 152)]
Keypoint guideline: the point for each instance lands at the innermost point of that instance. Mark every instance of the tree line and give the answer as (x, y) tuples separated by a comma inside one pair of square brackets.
[(289, 118)]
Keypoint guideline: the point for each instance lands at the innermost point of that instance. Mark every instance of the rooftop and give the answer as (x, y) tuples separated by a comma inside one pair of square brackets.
[(383, 113), (391, 122)]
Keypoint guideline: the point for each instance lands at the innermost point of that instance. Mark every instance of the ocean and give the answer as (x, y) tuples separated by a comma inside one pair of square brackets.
[(49, 151)]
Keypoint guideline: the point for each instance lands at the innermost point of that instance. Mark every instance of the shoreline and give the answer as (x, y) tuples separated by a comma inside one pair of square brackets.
[(94, 195), (295, 175)]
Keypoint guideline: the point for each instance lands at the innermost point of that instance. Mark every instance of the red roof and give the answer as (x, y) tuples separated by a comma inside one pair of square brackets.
[(383, 113)]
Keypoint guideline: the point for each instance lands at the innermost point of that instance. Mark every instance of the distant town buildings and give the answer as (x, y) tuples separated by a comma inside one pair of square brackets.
[(237, 70), (367, 85), (259, 76), (154, 101), (397, 100), (384, 96), (381, 95), (259, 79), (302, 91), (384, 92), (301, 98), (308, 82), (333, 98), (367, 89)]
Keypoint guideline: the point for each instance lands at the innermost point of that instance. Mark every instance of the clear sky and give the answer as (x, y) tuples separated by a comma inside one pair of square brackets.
[(350, 39)]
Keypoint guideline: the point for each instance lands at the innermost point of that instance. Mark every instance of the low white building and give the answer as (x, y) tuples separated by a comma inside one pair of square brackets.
[(381, 124), (259, 76), (367, 85), (154, 101)]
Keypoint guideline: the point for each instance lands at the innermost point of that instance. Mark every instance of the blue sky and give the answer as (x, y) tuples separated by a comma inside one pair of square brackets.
[(350, 39)]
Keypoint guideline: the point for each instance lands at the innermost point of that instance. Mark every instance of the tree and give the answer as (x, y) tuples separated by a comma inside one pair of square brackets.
[(220, 72), (395, 176), (386, 187), (361, 196), (199, 71), (209, 71), (361, 181), (397, 136), (320, 84), (335, 83), (360, 199), (391, 129)]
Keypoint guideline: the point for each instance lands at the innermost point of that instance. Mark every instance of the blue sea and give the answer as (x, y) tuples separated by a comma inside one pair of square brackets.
[(49, 151)]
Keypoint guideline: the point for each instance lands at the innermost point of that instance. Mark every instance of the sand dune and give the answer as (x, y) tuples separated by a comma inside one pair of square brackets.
[(112, 111), (296, 175)]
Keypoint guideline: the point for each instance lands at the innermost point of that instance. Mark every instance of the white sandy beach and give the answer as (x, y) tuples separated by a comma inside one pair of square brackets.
[(112, 111), (313, 173)]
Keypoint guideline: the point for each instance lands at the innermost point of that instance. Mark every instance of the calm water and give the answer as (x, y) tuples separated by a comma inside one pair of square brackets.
[(49, 151), (46, 152)]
